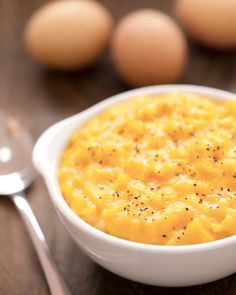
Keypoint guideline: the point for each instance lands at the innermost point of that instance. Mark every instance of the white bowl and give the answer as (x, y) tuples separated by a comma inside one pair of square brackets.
[(150, 264)]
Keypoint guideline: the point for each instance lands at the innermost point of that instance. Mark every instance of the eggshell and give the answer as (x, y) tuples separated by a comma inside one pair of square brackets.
[(211, 22), (149, 48), (68, 34)]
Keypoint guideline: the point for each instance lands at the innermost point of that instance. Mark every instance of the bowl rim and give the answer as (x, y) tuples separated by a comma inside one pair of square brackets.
[(79, 223)]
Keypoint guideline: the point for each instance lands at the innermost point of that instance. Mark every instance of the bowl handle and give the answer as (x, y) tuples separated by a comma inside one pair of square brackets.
[(50, 144)]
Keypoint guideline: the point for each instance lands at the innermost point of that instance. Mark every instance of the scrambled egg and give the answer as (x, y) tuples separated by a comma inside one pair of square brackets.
[(156, 169)]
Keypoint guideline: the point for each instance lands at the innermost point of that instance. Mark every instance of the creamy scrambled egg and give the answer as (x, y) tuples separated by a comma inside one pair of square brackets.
[(156, 169)]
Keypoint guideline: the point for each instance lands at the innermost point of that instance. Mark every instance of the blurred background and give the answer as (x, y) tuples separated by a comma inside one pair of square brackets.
[(39, 96)]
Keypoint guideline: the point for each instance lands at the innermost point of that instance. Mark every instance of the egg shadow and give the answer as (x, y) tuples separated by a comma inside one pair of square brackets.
[(74, 91), (209, 67)]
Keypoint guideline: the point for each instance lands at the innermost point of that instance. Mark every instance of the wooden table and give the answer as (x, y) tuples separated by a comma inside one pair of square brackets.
[(39, 98)]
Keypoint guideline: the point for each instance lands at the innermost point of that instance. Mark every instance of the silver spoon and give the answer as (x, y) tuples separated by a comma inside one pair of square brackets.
[(16, 174)]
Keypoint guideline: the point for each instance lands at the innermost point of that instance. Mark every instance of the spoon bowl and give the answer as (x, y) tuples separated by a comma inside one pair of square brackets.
[(16, 144), (16, 174)]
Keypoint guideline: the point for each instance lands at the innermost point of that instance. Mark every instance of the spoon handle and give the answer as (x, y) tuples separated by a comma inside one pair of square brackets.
[(56, 284)]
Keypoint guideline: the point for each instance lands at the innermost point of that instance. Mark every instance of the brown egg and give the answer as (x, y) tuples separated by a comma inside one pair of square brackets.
[(149, 48), (68, 34), (211, 22)]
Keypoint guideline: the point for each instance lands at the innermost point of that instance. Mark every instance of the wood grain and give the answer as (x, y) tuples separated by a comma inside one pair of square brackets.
[(39, 98)]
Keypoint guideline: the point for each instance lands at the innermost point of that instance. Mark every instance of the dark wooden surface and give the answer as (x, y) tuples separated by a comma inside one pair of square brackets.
[(39, 98)]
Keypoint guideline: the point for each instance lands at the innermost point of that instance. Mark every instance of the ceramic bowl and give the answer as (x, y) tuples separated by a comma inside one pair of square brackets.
[(149, 264)]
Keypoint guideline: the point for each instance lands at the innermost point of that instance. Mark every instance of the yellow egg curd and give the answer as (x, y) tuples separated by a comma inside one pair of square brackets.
[(156, 169)]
